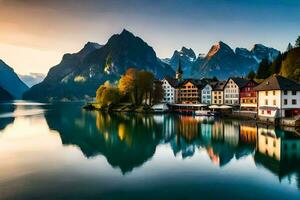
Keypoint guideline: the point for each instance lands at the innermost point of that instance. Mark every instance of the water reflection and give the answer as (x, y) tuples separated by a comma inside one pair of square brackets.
[(279, 151), (129, 140), (119, 151), (4, 110)]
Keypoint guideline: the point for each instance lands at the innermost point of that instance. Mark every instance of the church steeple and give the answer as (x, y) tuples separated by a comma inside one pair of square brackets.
[(179, 70)]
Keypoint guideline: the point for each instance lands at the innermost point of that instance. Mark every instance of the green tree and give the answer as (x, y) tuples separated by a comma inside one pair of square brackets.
[(289, 47), (215, 79), (251, 75), (291, 65), (276, 65), (297, 43), (263, 69)]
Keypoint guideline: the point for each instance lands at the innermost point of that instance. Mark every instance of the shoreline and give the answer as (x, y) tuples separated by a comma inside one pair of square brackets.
[(145, 109)]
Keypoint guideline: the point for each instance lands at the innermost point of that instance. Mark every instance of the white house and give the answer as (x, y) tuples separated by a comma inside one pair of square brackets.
[(206, 97), (169, 87), (232, 90), (278, 97)]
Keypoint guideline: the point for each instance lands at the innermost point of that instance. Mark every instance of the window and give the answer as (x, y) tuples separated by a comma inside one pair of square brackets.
[(285, 101), (262, 112), (266, 102), (266, 140), (266, 93), (294, 92), (274, 144), (269, 112), (274, 102), (294, 101), (285, 92), (274, 92)]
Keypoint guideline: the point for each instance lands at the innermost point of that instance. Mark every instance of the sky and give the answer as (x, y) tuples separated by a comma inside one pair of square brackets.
[(34, 34)]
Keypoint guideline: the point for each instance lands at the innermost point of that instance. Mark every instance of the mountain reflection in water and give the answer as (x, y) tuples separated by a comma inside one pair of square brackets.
[(129, 140), (115, 155)]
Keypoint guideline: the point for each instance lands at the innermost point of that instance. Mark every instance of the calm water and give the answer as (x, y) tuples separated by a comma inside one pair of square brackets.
[(63, 152)]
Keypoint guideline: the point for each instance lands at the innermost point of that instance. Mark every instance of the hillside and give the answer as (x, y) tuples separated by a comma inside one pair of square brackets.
[(10, 81), (79, 75)]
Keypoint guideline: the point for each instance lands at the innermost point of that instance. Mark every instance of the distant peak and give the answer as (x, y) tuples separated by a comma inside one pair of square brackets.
[(126, 32), (92, 45), (189, 52), (220, 46)]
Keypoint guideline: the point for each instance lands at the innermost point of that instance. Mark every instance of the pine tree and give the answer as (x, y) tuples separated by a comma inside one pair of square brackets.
[(263, 69), (289, 47), (276, 65), (297, 44), (251, 75)]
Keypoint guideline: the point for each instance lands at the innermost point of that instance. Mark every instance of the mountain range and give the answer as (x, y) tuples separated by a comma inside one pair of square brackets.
[(79, 75), (11, 87), (221, 60)]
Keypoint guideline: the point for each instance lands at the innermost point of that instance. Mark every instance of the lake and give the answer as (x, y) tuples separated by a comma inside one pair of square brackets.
[(60, 151)]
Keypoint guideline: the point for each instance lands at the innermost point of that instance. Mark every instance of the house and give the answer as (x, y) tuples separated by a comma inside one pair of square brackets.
[(206, 93), (278, 97), (248, 97), (169, 87), (218, 93), (189, 91), (232, 90)]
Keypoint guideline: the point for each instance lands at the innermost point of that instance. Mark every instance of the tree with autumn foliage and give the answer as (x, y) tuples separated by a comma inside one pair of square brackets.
[(107, 95), (137, 86)]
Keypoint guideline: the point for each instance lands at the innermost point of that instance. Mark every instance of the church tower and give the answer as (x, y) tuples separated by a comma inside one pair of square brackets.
[(179, 71)]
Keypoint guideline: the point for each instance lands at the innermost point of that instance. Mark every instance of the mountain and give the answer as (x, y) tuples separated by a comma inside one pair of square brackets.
[(80, 74), (187, 58), (4, 95), (62, 80), (258, 52), (10, 81), (32, 78), (222, 61)]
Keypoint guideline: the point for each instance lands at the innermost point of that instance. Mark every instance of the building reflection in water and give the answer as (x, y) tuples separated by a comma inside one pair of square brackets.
[(129, 140), (279, 151)]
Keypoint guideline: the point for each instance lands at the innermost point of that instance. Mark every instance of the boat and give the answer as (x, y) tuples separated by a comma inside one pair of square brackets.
[(204, 113), (160, 108)]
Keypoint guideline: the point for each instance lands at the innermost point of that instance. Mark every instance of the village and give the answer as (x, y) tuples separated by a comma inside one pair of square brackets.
[(275, 100)]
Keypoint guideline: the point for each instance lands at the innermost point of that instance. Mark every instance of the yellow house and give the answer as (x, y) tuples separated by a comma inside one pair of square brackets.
[(218, 93)]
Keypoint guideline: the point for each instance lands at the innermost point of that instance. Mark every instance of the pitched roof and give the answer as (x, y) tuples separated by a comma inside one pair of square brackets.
[(219, 86), (241, 82), (198, 83), (172, 81), (277, 82)]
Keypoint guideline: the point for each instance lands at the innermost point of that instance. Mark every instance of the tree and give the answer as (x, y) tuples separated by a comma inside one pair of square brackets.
[(215, 79), (127, 84), (107, 95), (297, 44), (289, 47), (158, 93), (276, 65), (145, 86), (263, 69), (251, 75)]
